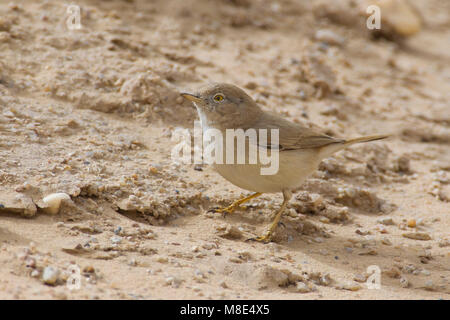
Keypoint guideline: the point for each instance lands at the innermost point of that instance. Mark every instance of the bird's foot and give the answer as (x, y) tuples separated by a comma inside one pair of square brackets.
[(235, 205), (264, 239), (226, 210)]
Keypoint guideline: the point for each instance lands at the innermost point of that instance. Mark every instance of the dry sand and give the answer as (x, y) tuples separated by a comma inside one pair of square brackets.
[(91, 113)]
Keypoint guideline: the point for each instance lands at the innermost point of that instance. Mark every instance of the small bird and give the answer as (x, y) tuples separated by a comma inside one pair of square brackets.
[(299, 149)]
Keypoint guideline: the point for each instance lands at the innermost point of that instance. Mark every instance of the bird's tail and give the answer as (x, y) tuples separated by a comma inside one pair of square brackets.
[(332, 148), (365, 139)]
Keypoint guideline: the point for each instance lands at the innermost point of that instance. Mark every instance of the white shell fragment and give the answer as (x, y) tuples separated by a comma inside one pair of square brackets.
[(53, 202)]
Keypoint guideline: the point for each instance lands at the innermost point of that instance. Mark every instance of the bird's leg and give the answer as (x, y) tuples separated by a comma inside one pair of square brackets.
[(235, 204), (268, 236)]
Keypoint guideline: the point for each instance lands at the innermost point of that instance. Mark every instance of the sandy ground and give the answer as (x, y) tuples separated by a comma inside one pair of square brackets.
[(91, 113)]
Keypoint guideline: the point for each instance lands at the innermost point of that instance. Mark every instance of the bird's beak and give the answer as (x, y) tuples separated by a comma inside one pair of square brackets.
[(191, 97)]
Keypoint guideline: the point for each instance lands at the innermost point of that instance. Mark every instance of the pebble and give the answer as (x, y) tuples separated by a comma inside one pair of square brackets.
[(425, 272), (173, 281), (324, 220), (404, 283), (318, 239), (229, 232), (53, 202), (50, 275), (444, 243), (359, 278), (198, 275), (400, 17), (411, 223), (381, 228), (329, 37), (302, 287), (132, 262), (351, 286), (409, 268), (35, 273), (89, 269), (386, 221), (429, 285), (161, 259), (325, 280), (417, 236), (30, 262), (116, 239), (386, 242)]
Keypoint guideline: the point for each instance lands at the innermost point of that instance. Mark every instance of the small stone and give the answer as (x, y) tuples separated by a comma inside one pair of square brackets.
[(35, 273), (324, 220), (394, 273), (161, 259), (404, 283), (381, 228), (425, 272), (302, 287), (318, 239), (399, 17), (411, 223), (417, 236), (351, 286), (362, 232), (359, 278), (329, 37), (89, 269), (429, 285), (152, 170), (444, 243), (409, 268), (50, 275), (53, 202), (230, 232), (174, 282), (269, 277), (132, 262), (30, 262), (116, 239), (325, 280), (386, 221)]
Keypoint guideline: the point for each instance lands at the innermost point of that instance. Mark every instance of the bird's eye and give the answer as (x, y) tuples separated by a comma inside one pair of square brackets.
[(218, 97)]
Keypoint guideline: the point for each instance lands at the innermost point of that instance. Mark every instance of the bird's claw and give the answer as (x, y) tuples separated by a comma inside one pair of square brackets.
[(264, 239), (223, 211)]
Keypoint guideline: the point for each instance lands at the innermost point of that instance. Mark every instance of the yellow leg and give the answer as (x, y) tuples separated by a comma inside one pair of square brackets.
[(268, 236), (236, 204)]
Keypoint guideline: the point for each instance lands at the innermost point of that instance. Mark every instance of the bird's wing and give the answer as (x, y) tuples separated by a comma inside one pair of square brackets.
[(292, 136)]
